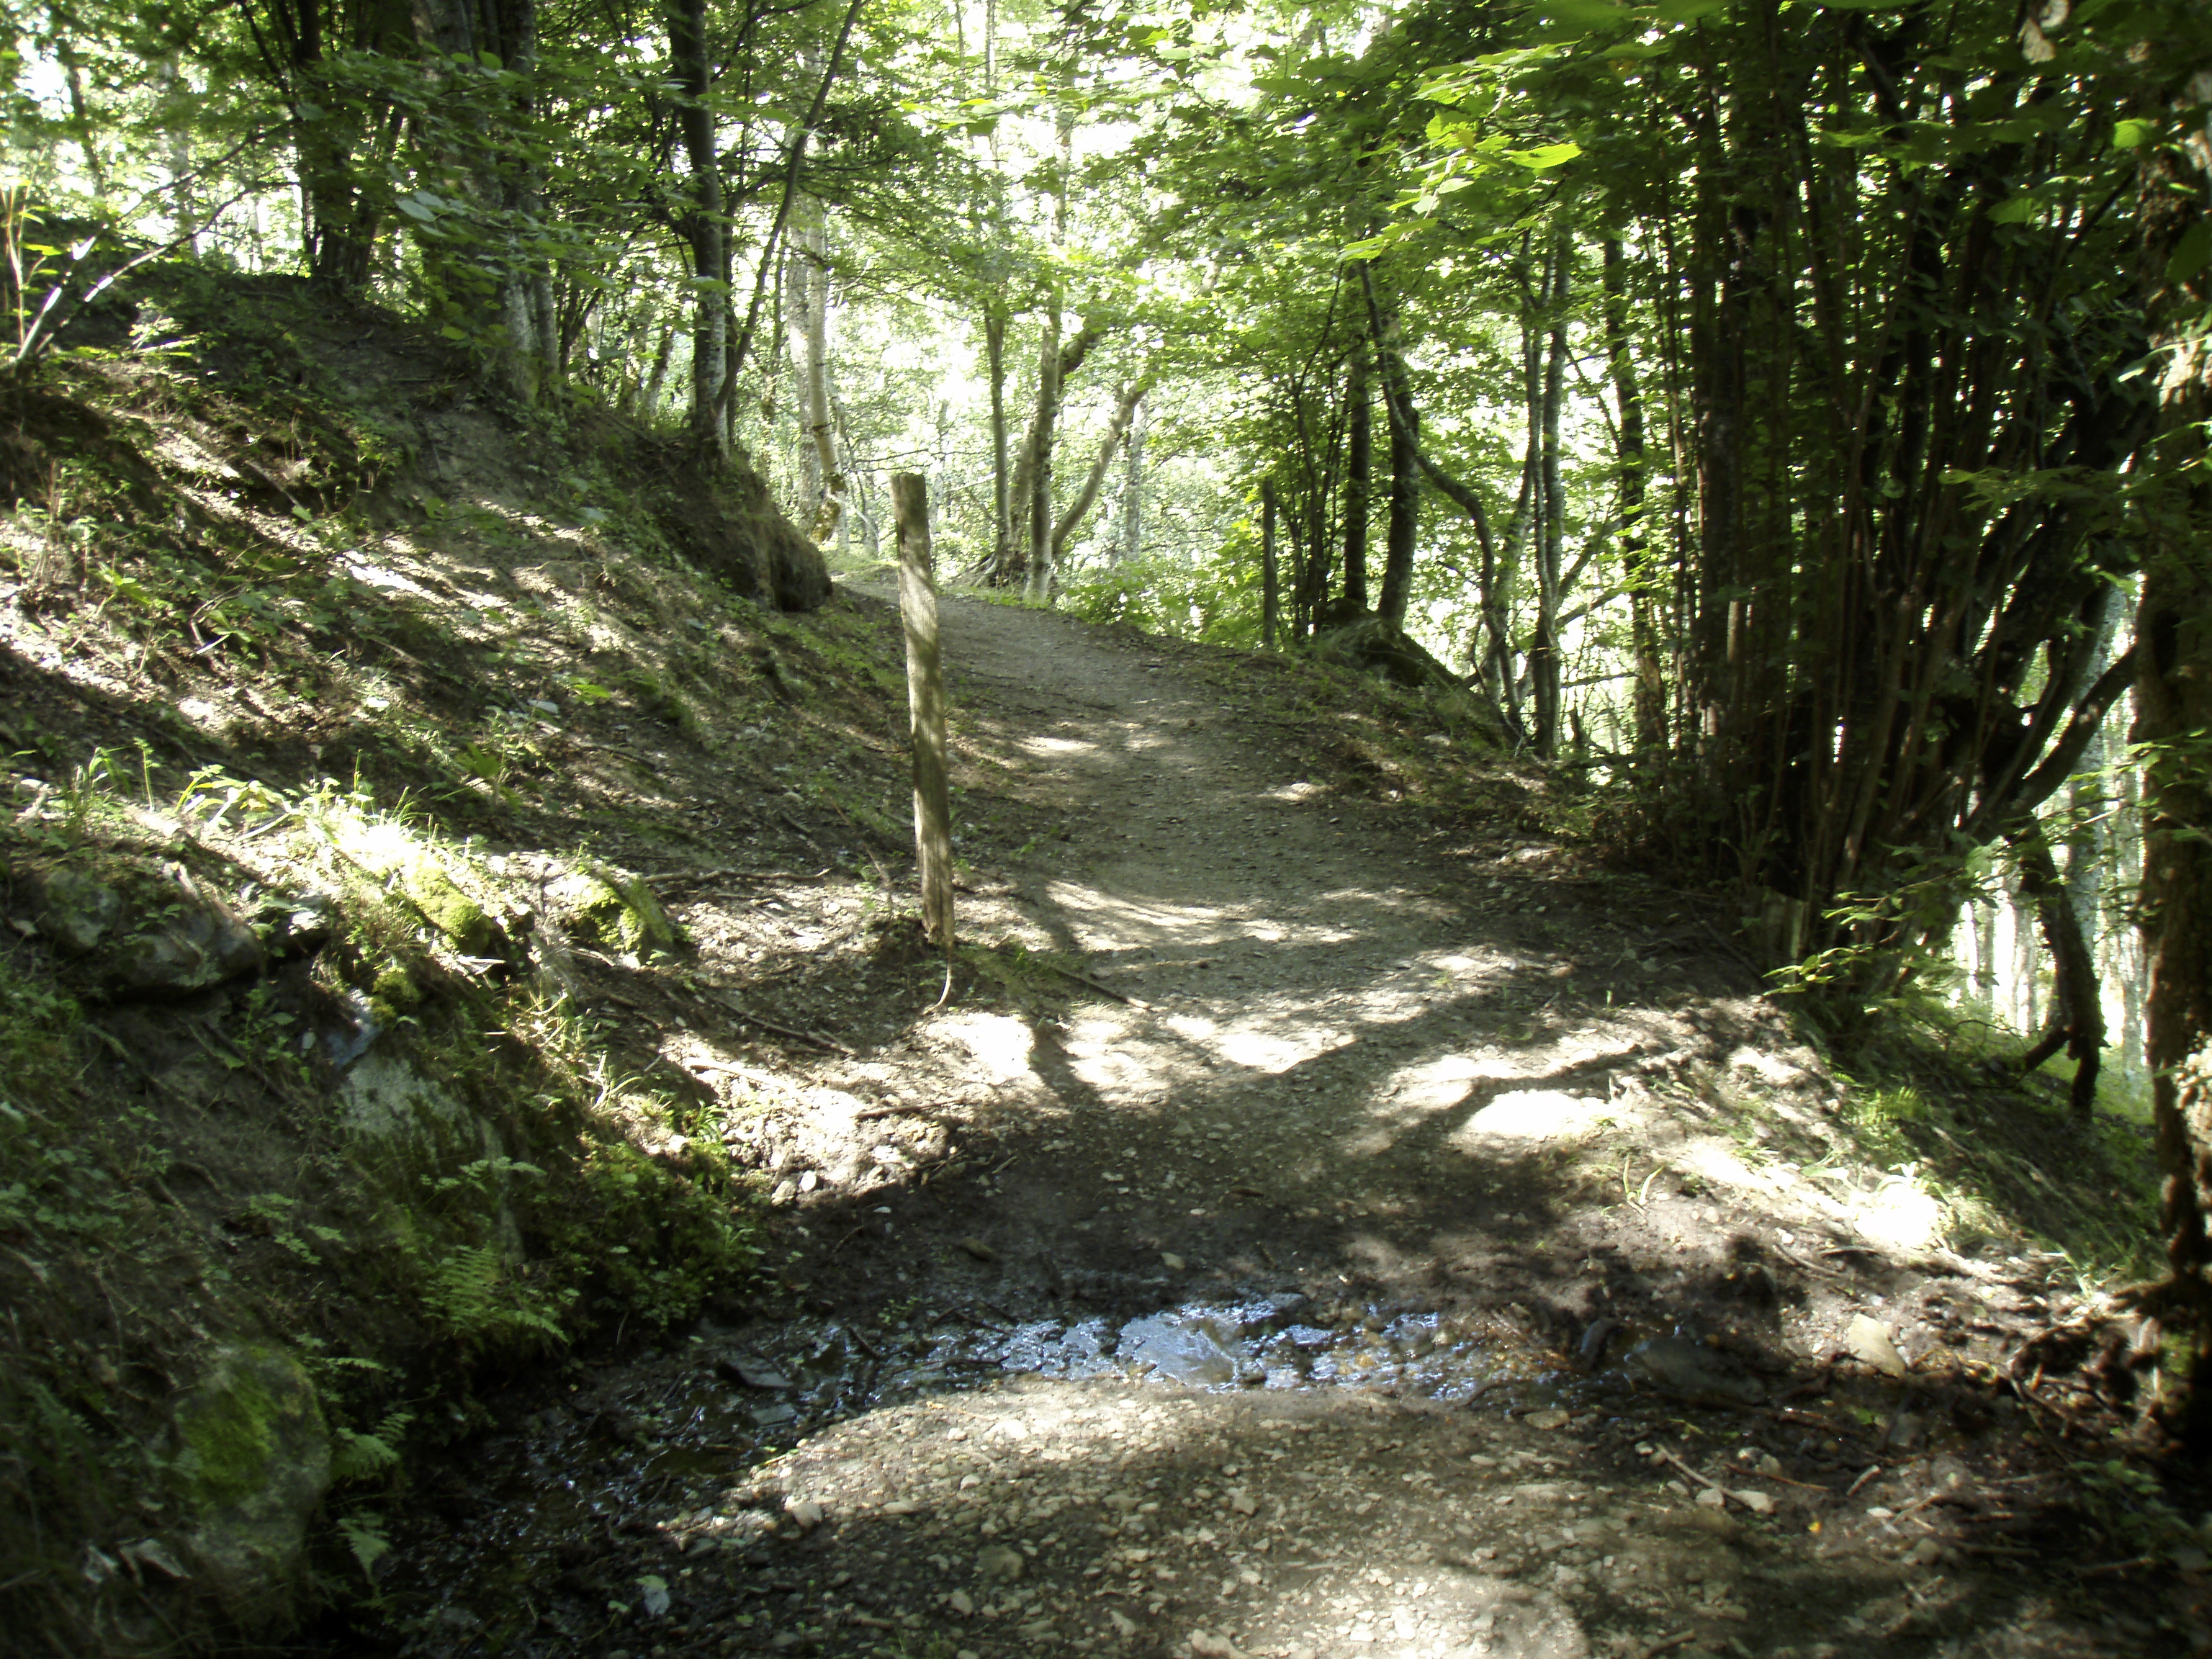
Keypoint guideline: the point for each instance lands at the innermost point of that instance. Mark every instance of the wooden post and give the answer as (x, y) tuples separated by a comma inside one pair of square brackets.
[(925, 702), (1270, 603)]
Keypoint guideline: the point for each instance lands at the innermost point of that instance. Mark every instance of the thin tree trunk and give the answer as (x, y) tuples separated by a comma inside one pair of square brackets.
[(1544, 647), (994, 349), (1359, 471), (1269, 601), (1132, 487), (830, 509), (1649, 697), (1399, 541), (1125, 407), (1037, 578)]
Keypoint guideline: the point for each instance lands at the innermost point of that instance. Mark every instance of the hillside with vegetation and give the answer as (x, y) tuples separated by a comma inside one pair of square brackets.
[(1576, 641)]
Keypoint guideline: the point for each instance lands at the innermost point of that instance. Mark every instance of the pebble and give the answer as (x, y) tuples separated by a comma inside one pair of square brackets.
[(1754, 1500), (805, 1512), (1869, 1341), (1171, 1261), (1551, 1419), (999, 1561), (977, 1248), (961, 1603)]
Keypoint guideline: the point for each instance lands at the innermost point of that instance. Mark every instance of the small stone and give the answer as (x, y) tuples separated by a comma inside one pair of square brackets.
[(737, 1368), (977, 1248), (1123, 1624), (1547, 1420), (1924, 1552), (1711, 1497), (998, 1561), (966, 1653), (961, 1603), (1174, 1264), (1757, 1502), (901, 1506), (1242, 1503), (1869, 1341), (806, 1514), (1207, 1645)]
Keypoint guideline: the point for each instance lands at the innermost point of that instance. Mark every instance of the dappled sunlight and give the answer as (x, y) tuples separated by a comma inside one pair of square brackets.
[(1526, 1116), (1000, 1043), (1044, 746)]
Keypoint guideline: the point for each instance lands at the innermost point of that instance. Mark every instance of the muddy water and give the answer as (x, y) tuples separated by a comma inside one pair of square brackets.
[(501, 1525)]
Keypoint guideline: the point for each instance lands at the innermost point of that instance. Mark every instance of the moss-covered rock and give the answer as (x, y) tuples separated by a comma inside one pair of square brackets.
[(614, 910), (252, 1462), (431, 889)]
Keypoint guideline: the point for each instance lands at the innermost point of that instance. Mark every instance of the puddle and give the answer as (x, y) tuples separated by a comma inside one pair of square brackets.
[(634, 1448)]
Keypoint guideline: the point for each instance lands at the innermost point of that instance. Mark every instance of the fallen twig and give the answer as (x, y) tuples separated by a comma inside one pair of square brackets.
[(1801, 1486), (1680, 1639), (1102, 990), (1865, 1475), (818, 1041), (896, 1111)]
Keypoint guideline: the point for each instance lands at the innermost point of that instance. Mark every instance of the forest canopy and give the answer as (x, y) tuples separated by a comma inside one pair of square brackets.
[(1786, 418)]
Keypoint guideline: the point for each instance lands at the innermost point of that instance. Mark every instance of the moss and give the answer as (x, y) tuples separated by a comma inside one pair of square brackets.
[(228, 1442), (446, 907), (617, 911)]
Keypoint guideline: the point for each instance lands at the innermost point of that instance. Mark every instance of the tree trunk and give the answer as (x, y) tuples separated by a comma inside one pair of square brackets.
[(994, 349), (1125, 407), (703, 226), (1550, 522), (2173, 708), (813, 239), (2077, 1008), (1405, 522), (1036, 580), (1359, 471), (1133, 487), (1648, 695), (1269, 600)]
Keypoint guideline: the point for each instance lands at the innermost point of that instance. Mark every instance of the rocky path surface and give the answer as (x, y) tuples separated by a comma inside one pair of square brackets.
[(1410, 1255)]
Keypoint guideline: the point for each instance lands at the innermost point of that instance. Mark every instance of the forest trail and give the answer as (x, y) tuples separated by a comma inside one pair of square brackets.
[(1411, 1255)]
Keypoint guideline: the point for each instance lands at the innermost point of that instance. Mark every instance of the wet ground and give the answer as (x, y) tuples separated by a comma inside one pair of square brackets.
[(1391, 1243)]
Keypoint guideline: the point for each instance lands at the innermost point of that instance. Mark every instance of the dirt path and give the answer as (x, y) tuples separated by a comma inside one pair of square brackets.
[(1423, 1259)]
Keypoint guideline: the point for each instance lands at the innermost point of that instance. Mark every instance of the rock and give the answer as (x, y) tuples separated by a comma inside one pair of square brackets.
[(999, 1561), (1712, 1498), (1123, 1624), (1869, 1341), (806, 1514), (429, 886), (1692, 1370), (1547, 1420), (614, 910), (252, 1462), (1172, 1262), (977, 1248), (1754, 1500), (73, 910), (1241, 1503), (752, 1373), (961, 1603), (198, 945), (1924, 1552), (1206, 1645)]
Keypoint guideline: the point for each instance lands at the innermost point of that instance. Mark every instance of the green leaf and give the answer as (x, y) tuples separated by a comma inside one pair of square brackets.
[(2014, 211), (2191, 253), (1588, 13), (1688, 11), (1545, 156), (2133, 134), (453, 333)]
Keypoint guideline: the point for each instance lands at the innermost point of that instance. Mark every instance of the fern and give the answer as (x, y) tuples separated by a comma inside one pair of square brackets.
[(474, 1301)]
